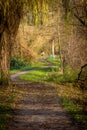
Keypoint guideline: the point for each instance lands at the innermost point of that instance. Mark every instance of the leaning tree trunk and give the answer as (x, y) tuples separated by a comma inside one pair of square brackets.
[(10, 15), (5, 55)]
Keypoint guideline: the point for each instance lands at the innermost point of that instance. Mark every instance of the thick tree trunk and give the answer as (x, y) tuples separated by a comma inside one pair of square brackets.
[(5, 54), (10, 15)]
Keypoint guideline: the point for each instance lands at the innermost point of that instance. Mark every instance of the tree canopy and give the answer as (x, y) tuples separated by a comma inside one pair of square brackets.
[(76, 8)]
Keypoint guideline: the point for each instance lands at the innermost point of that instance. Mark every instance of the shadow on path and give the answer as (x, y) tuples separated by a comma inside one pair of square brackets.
[(38, 108)]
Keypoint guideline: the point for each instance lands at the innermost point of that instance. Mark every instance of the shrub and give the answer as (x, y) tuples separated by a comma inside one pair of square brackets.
[(17, 63), (68, 76), (82, 77)]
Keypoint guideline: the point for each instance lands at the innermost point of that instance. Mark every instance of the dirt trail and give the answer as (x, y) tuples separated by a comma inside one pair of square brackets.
[(38, 108), (14, 77)]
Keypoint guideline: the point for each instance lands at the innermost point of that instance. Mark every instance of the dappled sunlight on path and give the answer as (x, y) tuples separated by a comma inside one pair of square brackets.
[(38, 108)]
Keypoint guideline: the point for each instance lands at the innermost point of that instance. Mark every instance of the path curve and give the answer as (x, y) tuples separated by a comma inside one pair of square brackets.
[(14, 77)]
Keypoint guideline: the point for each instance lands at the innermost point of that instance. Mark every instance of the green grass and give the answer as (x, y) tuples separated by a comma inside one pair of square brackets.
[(49, 74), (27, 67), (43, 73), (34, 76), (62, 78), (38, 64), (6, 101), (72, 99), (4, 115), (14, 71), (76, 111), (55, 61)]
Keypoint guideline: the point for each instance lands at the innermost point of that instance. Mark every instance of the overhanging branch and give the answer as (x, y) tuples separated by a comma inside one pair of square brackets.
[(80, 20)]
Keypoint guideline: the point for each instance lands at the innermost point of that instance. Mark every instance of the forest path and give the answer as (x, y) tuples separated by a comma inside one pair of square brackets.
[(37, 107), (14, 77)]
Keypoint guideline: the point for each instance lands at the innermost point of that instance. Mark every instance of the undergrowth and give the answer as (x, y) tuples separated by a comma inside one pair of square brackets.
[(76, 110), (6, 102), (17, 63), (72, 99)]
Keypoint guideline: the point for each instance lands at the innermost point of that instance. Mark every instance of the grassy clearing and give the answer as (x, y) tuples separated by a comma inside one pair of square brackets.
[(43, 73), (6, 102), (36, 75), (49, 74)]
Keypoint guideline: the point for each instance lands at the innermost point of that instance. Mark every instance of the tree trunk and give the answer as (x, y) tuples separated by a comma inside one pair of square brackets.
[(10, 15), (53, 49), (5, 55), (59, 44)]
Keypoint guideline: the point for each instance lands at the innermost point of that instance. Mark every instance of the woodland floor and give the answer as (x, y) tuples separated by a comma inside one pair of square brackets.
[(37, 107)]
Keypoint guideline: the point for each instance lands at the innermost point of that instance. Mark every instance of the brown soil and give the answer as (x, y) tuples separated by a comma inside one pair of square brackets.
[(37, 107)]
